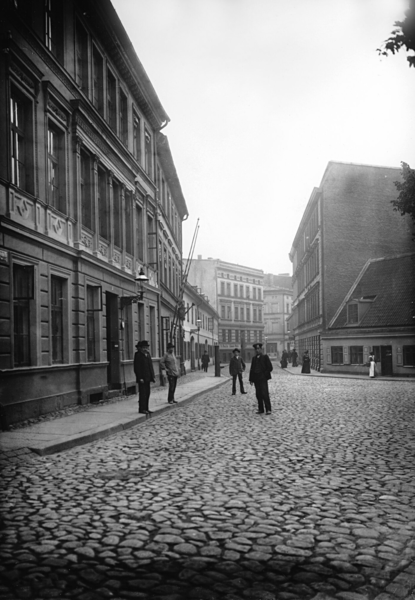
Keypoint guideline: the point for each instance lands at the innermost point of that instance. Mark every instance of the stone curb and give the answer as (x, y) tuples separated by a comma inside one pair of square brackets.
[(52, 448)]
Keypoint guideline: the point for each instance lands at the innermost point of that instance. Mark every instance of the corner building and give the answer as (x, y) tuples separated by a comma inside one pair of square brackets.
[(348, 220), (237, 294), (88, 197)]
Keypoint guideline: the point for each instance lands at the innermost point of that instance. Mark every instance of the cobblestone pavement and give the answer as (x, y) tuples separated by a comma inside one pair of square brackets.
[(213, 501)]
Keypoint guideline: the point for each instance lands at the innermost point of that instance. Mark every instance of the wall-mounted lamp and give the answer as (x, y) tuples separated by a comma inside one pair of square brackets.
[(141, 279)]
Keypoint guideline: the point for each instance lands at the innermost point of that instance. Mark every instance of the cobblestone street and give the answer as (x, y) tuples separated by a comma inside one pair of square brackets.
[(212, 501)]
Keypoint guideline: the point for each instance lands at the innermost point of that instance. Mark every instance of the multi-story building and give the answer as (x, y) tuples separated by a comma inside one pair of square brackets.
[(237, 294), (348, 220), (80, 215), (200, 328), (277, 310)]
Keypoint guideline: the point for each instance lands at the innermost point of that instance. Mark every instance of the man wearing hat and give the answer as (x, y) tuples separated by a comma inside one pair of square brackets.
[(169, 364), (259, 375), (236, 368), (144, 373)]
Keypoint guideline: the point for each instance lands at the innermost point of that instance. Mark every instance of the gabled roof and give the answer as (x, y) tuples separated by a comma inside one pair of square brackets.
[(388, 285)]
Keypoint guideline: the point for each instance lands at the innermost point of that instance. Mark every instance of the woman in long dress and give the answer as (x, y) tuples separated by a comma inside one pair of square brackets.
[(372, 366), (306, 363), (284, 359)]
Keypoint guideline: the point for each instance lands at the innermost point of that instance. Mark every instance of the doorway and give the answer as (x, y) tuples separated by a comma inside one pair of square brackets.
[(386, 360), (113, 342), (192, 354)]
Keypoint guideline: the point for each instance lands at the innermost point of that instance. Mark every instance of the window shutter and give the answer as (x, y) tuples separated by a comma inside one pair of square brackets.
[(329, 355), (346, 356), (365, 354), (399, 360)]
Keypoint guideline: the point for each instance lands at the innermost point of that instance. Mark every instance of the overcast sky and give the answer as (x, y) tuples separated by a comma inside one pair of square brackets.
[(262, 94)]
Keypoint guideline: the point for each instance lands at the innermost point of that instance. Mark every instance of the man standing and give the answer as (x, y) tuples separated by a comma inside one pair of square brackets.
[(236, 368), (169, 364), (205, 361), (294, 357), (144, 373), (259, 374)]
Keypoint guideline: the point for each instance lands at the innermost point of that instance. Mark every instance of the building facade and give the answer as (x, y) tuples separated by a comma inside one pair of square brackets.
[(237, 293), (277, 310), (89, 199), (200, 328), (377, 315), (348, 220)]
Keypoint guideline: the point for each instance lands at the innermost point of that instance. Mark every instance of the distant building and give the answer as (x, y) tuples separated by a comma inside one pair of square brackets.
[(348, 220), (89, 199), (237, 294), (377, 315), (200, 328), (277, 310)]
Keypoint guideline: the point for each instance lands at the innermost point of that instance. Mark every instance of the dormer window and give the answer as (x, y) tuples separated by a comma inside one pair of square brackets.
[(352, 314)]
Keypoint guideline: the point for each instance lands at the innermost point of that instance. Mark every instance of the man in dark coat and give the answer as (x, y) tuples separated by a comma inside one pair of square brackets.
[(294, 357), (205, 361), (259, 375), (236, 368), (144, 373)]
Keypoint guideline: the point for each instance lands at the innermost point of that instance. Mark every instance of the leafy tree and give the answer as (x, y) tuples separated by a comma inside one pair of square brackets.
[(405, 202), (403, 36)]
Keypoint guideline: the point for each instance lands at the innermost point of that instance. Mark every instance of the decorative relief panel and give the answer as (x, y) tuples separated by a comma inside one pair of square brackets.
[(103, 249), (86, 240), (22, 209), (128, 263), (116, 258)]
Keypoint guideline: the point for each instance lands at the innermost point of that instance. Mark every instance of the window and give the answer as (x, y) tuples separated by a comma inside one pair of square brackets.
[(237, 339), (247, 291), (352, 313), (23, 291), (123, 118), (149, 154), (229, 335), (409, 356), (111, 101), (93, 306), (228, 313), (222, 312), (21, 137), (235, 290), (57, 285), (259, 314), (54, 27), (241, 313), (254, 293), (81, 58), (87, 201), (136, 137), (337, 355), (128, 216), (116, 193), (255, 314), (222, 288), (103, 204), (248, 314), (248, 335), (139, 232), (56, 169), (356, 355), (97, 81), (228, 289), (153, 331), (236, 313), (241, 291), (259, 294)]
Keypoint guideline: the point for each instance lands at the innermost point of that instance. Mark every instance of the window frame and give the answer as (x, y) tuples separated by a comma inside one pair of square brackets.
[(337, 352), (356, 355), (408, 350), (56, 163)]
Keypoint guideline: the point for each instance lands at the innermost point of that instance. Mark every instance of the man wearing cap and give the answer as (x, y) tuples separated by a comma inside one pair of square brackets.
[(236, 368), (259, 375), (144, 373), (169, 364)]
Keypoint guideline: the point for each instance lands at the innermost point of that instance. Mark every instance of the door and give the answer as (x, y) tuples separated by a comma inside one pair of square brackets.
[(386, 360), (192, 354), (113, 342)]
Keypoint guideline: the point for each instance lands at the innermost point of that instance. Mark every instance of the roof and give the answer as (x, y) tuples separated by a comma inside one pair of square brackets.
[(388, 286)]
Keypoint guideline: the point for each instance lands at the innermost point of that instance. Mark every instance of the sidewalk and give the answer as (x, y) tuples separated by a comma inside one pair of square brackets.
[(297, 371), (98, 422)]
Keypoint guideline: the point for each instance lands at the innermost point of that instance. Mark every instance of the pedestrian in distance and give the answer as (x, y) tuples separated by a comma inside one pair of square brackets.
[(169, 364), (284, 359), (294, 357), (236, 368), (372, 365), (259, 375), (306, 363), (144, 373), (205, 361)]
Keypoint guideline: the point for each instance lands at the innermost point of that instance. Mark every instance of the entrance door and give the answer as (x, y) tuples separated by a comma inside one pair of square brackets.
[(192, 354), (386, 360), (113, 342)]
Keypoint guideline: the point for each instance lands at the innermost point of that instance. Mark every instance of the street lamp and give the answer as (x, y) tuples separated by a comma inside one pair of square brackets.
[(141, 279)]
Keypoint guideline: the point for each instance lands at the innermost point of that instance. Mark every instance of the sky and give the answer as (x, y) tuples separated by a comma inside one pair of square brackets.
[(261, 95)]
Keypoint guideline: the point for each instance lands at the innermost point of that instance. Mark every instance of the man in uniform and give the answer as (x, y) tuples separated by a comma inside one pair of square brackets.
[(259, 375)]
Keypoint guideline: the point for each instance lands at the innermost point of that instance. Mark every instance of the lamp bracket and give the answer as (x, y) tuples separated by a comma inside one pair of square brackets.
[(128, 300)]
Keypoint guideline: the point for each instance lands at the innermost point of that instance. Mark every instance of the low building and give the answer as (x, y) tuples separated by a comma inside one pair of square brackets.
[(237, 294), (200, 328), (377, 315)]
